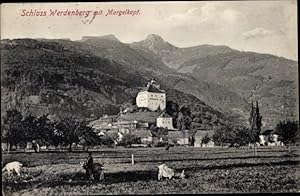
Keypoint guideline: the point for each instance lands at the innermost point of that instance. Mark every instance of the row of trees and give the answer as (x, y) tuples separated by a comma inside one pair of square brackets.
[(288, 132), (18, 130), (235, 135)]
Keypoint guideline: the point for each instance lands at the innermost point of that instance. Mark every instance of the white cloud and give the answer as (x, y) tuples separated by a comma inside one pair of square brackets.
[(212, 13), (258, 32), (187, 16)]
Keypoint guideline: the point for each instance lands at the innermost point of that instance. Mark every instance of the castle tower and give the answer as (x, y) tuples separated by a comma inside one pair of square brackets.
[(151, 97)]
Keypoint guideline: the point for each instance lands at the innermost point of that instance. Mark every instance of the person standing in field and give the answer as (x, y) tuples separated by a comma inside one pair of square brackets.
[(89, 165), (89, 160), (35, 146)]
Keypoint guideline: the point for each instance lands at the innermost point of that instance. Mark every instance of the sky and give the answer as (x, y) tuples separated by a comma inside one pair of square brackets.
[(259, 26)]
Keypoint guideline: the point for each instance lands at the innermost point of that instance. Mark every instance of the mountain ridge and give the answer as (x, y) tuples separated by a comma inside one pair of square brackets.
[(225, 78), (253, 76), (62, 78)]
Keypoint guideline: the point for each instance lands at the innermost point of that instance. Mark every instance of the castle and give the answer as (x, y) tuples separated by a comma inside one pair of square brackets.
[(152, 97)]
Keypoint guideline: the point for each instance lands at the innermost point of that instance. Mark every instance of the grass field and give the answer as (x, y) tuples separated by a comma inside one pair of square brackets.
[(208, 170)]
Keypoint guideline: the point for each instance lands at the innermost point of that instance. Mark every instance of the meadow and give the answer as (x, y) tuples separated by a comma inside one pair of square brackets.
[(209, 170)]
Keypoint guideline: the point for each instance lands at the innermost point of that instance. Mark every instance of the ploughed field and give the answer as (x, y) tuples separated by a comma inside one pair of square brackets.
[(208, 170)]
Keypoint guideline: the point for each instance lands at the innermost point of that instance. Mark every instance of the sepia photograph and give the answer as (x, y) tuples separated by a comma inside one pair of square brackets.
[(135, 98)]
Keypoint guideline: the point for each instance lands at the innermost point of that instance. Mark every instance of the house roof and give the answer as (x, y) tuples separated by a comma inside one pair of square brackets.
[(202, 133), (199, 133), (268, 132), (176, 134), (102, 120), (112, 133), (125, 122), (142, 133), (139, 116), (102, 126), (164, 115)]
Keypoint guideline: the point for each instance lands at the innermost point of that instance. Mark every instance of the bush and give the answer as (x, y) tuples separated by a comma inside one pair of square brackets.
[(161, 144), (106, 141), (129, 139)]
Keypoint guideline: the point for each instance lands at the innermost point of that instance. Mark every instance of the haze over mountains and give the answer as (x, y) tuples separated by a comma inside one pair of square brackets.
[(95, 75)]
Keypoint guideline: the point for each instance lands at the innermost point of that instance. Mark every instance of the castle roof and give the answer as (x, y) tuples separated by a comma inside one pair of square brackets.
[(164, 115), (153, 89)]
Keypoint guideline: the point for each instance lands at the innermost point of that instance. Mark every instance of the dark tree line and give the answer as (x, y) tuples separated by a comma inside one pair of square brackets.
[(17, 130), (238, 135), (288, 132), (233, 135)]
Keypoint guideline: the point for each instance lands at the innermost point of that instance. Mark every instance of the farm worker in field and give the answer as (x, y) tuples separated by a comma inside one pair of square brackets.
[(89, 160), (35, 146), (89, 164)]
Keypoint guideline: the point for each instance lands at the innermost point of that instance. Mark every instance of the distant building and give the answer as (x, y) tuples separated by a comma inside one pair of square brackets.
[(200, 134), (144, 119), (145, 136), (105, 123), (152, 97), (164, 121), (269, 137), (178, 137), (184, 138)]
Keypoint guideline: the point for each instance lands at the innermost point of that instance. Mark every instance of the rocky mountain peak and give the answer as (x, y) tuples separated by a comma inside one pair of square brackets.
[(156, 44), (154, 38), (110, 37)]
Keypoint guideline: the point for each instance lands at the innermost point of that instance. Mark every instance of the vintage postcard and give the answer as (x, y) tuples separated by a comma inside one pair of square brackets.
[(149, 97)]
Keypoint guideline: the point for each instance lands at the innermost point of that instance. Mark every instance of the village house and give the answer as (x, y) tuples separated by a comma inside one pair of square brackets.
[(105, 123), (200, 134), (127, 126), (178, 137), (145, 136), (269, 137), (186, 137), (164, 120)]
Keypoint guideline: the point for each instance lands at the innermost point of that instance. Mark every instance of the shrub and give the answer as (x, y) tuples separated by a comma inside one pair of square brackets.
[(129, 139)]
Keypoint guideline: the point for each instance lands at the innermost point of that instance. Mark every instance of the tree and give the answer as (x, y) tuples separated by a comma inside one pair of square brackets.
[(243, 136), (184, 120), (219, 136), (29, 129), (38, 130), (180, 122), (88, 137), (224, 135), (45, 129), (69, 130), (234, 135), (288, 132), (129, 139), (255, 122), (206, 139), (172, 110), (13, 133)]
